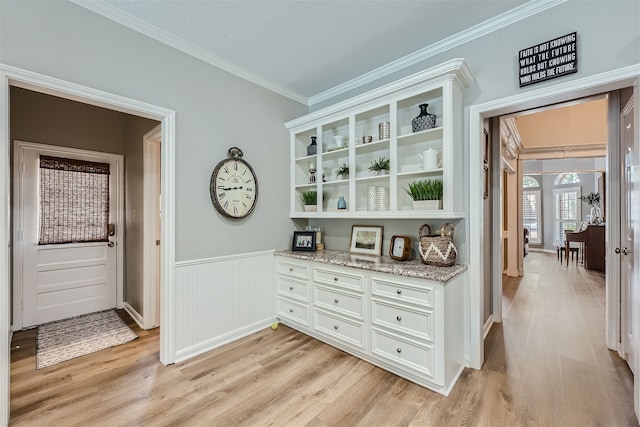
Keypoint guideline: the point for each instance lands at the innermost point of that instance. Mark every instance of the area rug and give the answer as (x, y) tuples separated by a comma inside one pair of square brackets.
[(78, 336)]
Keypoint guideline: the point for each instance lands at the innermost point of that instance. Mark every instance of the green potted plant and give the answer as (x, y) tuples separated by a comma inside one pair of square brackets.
[(426, 194), (342, 171), (310, 201), (380, 165), (593, 199)]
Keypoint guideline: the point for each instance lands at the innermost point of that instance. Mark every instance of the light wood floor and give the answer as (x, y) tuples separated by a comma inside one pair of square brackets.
[(546, 365)]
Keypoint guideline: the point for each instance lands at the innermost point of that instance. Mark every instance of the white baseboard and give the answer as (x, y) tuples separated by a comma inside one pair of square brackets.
[(221, 340), (487, 327), (134, 315), (548, 251)]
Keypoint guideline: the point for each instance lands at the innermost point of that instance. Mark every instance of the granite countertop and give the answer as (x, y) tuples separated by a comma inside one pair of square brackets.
[(383, 264)]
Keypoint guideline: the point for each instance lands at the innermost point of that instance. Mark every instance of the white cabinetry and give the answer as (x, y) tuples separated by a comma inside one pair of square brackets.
[(411, 327), (396, 103)]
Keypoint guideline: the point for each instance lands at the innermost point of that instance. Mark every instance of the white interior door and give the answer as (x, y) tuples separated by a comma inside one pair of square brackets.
[(67, 262), (629, 289)]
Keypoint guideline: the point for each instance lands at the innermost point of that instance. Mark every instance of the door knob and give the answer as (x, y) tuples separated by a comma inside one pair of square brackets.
[(111, 244), (617, 250)]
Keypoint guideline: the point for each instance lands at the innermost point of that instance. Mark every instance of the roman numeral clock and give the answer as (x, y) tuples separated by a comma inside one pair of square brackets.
[(234, 186)]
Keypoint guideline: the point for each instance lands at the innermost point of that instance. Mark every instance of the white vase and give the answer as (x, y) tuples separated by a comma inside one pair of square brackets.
[(311, 208), (371, 198), (382, 199), (427, 205)]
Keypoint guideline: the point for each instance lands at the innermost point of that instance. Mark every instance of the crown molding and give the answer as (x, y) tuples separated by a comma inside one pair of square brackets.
[(517, 14), (143, 27)]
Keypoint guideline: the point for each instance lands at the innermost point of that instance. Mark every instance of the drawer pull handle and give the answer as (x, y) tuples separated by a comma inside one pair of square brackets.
[(290, 288), (335, 327), (399, 350), (335, 300), (291, 310), (399, 291), (398, 318), (335, 278), (290, 269)]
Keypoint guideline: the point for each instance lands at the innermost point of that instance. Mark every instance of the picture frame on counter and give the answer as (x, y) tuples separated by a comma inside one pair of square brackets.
[(366, 239), (304, 241)]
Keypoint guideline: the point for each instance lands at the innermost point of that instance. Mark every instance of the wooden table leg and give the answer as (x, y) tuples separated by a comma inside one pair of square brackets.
[(566, 251)]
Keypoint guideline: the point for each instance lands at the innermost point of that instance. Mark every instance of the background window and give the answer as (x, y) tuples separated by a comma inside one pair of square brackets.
[(532, 209), (567, 178), (567, 207)]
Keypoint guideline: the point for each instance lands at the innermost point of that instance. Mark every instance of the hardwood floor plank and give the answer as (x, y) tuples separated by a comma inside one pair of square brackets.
[(545, 365)]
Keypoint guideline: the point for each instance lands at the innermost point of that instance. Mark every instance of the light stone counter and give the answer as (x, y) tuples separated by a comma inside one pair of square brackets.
[(382, 264)]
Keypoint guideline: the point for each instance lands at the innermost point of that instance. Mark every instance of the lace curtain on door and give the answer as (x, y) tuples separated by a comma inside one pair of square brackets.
[(74, 201)]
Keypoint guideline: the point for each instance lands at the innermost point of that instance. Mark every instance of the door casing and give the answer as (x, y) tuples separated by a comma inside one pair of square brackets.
[(13, 76), (18, 241)]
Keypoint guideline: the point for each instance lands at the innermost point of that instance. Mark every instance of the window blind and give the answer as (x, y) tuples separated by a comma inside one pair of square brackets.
[(74, 201)]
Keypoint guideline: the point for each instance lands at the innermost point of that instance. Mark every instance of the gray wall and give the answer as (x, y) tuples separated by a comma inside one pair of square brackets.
[(46, 119), (214, 111)]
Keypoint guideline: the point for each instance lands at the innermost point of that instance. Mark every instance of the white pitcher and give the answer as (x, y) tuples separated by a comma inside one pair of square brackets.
[(430, 159), (339, 139)]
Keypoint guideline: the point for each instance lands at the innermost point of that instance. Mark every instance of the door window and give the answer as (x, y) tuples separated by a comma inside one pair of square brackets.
[(73, 202)]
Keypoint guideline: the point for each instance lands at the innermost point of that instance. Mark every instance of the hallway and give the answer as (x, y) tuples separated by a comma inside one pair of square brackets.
[(552, 346)]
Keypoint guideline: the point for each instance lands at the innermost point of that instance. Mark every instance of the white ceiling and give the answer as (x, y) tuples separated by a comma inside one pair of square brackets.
[(305, 48)]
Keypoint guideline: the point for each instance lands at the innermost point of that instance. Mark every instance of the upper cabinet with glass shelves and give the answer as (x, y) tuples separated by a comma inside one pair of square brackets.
[(342, 150)]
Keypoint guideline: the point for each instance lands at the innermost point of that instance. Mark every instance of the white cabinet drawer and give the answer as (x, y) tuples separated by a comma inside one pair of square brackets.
[(292, 269), (402, 292), (338, 328), (342, 302), (404, 319), (292, 288), (403, 352), (298, 312), (339, 278)]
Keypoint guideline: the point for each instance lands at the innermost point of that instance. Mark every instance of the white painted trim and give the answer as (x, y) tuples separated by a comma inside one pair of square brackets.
[(487, 327), (208, 345), (150, 30), (613, 230), (151, 147), (493, 24), (223, 258), (18, 243), (564, 91), (12, 76), (134, 315), (455, 70), (548, 251)]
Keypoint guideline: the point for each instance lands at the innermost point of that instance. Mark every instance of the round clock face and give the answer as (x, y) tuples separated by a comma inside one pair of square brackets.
[(234, 188)]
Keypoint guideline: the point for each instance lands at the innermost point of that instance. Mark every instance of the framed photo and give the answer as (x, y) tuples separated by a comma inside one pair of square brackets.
[(486, 147), (304, 241), (486, 182), (366, 239)]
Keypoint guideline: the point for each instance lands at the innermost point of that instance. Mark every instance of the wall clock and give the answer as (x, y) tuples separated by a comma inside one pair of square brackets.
[(400, 248), (234, 186)]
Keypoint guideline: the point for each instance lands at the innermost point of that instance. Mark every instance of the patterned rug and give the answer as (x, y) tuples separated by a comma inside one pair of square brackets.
[(78, 336)]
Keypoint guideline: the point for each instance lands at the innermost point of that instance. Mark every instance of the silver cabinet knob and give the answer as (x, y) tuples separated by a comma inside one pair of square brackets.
[(335, 300), (399, 350), (398, 318), (290, 269), (399, 291), (335, 327), (335, 279), (290, 288), (291, 310)]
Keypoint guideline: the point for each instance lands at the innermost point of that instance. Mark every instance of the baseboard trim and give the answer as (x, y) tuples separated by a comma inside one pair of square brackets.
[(134, 315), (548, 251), (487, 327), (208, 345)]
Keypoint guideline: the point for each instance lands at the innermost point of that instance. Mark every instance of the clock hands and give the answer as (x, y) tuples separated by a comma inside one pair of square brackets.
[(232, 188)]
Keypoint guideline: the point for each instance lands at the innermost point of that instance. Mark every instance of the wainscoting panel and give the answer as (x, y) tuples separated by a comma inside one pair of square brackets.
[(219, 300)]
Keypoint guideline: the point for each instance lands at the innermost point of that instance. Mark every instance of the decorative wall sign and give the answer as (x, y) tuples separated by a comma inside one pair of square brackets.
[(548, 60)]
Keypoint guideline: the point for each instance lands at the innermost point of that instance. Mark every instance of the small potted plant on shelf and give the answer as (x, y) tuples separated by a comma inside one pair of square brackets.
[(310, 201), (426, 194), (380, 165), (343, 171)]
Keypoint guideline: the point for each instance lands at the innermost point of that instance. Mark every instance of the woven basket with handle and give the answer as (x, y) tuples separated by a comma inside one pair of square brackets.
[(438, 249)]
